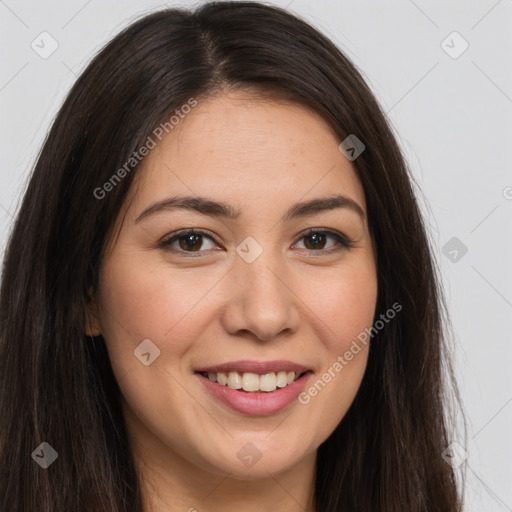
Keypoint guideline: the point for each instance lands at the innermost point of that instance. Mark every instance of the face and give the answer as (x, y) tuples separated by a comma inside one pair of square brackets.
[(195, 285)]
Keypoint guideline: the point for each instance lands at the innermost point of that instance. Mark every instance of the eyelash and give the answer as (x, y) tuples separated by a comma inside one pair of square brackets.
[(344, 242)]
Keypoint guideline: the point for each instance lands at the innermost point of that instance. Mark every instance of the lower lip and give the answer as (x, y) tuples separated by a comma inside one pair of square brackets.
[(256, 403)]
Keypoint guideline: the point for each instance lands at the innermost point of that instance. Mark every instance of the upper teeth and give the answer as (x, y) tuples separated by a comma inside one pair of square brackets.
[(252, 381)]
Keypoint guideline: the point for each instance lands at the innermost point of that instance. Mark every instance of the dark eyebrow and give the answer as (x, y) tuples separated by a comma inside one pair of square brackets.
[(212, 208)]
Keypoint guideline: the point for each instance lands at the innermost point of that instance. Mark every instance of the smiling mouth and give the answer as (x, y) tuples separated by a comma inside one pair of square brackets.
[(249, 382)]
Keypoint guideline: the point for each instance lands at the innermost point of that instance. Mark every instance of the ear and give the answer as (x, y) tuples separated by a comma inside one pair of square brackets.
[(92, 321)]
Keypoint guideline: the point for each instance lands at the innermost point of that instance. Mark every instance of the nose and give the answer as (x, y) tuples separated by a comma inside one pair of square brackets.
[(261, 299)]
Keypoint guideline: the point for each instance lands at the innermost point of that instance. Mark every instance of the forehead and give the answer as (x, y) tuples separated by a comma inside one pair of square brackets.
[(247, 150)]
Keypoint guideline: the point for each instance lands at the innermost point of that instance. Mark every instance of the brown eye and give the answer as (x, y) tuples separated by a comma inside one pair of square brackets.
[(315, 241), (187, 241), (192, 242)]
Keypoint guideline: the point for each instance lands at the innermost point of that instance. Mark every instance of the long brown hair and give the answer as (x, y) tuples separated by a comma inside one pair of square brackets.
[(57, 386)]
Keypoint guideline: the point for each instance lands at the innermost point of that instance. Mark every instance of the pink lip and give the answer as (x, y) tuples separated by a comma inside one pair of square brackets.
[(258, 367), (256, 403)]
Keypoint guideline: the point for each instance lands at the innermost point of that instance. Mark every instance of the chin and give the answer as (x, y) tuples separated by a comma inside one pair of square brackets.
[(254, 461)]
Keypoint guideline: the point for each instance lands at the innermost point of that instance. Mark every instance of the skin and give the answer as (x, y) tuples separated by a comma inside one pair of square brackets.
[(295, 302)]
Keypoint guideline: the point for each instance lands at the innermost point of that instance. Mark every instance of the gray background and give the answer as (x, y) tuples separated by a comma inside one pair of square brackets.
[(453, 118)]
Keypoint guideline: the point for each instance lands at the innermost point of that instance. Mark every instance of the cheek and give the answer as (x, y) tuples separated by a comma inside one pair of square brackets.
[(140, 304), (346, 304), (342, 312)]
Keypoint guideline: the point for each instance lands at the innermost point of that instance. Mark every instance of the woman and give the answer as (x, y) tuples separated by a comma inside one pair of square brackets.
[(218, 292)]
